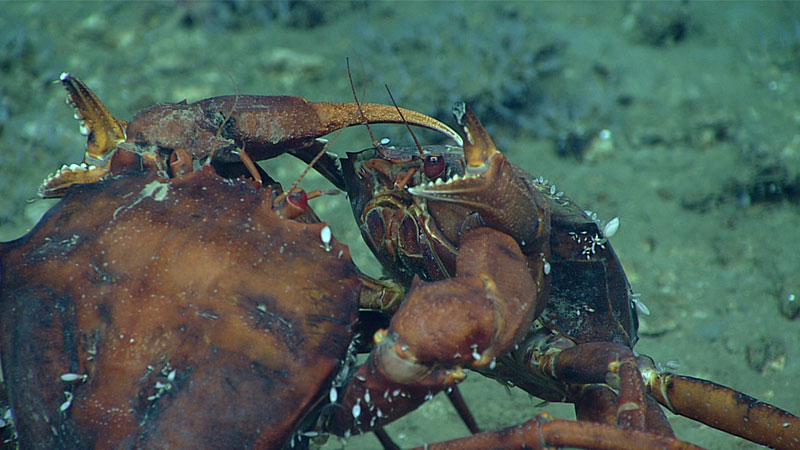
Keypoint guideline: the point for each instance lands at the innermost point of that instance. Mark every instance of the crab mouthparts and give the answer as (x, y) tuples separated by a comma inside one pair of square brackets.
[(456, 189)]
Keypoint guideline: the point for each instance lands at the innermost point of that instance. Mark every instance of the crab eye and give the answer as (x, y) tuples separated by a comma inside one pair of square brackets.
[(433, 166), (298, 198)]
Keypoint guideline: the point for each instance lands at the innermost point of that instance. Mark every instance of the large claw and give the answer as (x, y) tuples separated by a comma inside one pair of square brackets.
[(465, 321), (103, 134), (214, 129), (491, 186)]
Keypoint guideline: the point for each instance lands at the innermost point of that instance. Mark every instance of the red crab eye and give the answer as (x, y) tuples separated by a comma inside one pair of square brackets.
[(298, 198), (433, 166)]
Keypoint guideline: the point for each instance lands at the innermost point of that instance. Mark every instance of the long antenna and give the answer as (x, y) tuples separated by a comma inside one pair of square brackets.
[(313, 161), (416, 142), (358, 104), (233, 108)]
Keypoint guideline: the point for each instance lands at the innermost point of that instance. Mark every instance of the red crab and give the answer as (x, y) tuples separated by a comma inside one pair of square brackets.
[(415, 206)]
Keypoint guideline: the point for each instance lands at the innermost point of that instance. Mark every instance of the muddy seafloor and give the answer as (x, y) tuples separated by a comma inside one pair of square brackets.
[(681, 119)]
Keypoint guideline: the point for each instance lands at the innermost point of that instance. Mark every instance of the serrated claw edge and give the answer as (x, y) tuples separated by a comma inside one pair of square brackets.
[(103, 131)]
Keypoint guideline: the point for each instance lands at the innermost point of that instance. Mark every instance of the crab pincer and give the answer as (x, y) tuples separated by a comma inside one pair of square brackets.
[(213, 130)]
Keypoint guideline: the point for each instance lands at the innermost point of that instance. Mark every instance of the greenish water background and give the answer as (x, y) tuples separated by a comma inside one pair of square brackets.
[(701, 160)]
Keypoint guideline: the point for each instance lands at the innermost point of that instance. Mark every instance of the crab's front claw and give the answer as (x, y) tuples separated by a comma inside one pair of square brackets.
[(216, 129), (476, 316), (466, 321), (493, 187), (266, 126), (103, 134)]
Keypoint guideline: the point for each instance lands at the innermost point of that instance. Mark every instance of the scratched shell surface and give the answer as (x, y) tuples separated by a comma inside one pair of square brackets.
[(200, 318)]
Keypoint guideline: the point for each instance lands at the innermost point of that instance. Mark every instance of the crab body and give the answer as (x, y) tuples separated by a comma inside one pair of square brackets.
[(178, 303)]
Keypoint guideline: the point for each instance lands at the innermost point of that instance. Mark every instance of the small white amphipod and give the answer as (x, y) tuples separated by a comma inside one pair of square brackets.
[(65, 406), (325, 236), (611, 228), (333, 395), (71, 377), (637, 301)]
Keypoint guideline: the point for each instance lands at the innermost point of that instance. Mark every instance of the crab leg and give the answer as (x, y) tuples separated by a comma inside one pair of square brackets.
[(544, 432), (599, 362), (598, 403), (441, 327), (725, 409)]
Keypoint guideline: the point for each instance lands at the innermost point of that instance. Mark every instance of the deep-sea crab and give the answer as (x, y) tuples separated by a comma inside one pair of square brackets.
[(177, 297), (415, 205)]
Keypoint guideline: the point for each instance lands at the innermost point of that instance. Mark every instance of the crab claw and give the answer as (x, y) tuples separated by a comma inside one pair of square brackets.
[(103, 131), (491, 186)]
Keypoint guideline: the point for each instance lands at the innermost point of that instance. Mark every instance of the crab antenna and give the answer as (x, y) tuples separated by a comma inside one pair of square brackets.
[(325, 147), (313, 161), (413, 136), (360, 111), (233, 108)]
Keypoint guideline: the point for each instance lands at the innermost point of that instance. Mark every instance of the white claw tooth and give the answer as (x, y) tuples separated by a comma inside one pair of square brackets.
[(74, 167), (63, 76), (84, 129), (92, 167), (439, 182), (77, 115), (456, 177), (63, 168)]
